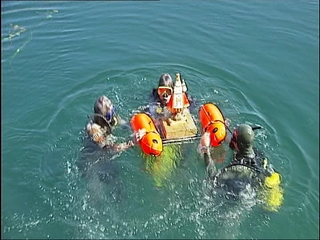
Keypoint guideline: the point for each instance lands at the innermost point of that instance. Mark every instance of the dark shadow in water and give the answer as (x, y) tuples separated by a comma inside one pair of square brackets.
[(98, 167), (236, 187)]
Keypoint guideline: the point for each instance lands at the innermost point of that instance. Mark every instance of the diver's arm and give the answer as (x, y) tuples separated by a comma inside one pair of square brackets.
[(192, 102), (210, 166), (123, 146), (205, 150), (136, 137), (122, 123)]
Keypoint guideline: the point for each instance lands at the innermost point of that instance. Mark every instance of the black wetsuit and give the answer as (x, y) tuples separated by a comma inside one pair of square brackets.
[(241, 171), (259, 162)]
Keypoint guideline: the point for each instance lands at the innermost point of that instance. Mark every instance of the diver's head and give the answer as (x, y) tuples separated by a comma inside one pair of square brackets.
[(165, 88), (104, 107), (242, 141)]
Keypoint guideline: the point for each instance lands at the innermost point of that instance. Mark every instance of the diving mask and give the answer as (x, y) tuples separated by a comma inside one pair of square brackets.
[(164, 91), (110, 115)]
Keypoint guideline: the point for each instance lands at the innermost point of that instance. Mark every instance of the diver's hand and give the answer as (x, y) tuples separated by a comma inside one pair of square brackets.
[(204, 146), (139, 134), (123, 146)]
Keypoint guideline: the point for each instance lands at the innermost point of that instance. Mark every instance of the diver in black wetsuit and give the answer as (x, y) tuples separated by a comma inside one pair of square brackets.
[(248, 166)]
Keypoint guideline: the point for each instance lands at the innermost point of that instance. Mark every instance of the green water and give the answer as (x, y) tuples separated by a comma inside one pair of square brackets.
[(258, 60)]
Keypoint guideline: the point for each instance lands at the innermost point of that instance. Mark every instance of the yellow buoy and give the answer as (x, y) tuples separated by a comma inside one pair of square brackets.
[(273, 192)]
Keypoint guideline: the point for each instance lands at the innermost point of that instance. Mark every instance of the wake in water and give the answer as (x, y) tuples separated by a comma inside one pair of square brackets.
[(229, 209), (97, 190), (99, 169)]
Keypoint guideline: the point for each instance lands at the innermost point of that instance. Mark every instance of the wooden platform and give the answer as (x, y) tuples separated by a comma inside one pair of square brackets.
[(183, 128)]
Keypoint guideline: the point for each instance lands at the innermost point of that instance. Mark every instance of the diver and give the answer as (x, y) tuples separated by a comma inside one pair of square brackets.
[(102, 123), (95, 161), (248, 167), (161, 96), (163, 92)]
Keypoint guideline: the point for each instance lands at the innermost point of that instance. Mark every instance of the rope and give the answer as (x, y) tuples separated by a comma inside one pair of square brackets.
[(180, 140)]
